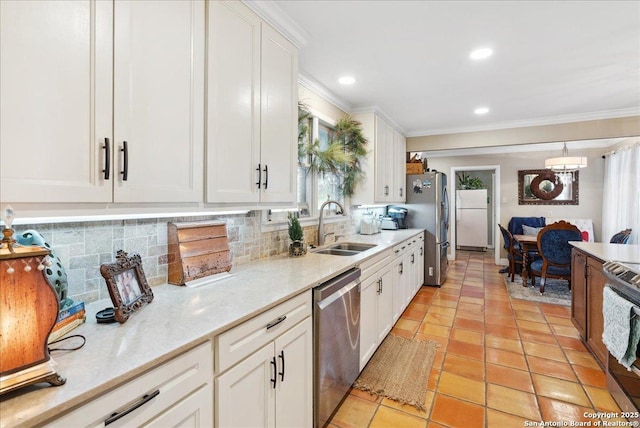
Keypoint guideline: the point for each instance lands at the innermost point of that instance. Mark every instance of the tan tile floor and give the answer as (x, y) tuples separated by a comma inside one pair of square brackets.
[(500, 363)]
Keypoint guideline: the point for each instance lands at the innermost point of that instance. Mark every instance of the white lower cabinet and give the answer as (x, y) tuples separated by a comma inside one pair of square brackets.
[(376, 305), (400, 280), (408, 273), (271, 385), (178, 393), (420, 263)]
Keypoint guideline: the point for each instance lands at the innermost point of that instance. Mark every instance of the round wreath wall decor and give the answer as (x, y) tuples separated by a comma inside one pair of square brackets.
[(538, 187)]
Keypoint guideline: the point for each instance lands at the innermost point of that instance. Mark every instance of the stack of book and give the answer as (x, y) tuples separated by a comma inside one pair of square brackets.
[(68, 319)]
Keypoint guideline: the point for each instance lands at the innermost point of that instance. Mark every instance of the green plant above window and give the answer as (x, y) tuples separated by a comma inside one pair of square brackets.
[(343, 154)]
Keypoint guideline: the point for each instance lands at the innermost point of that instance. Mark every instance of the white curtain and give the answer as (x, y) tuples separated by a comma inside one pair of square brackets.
[(621, 193)]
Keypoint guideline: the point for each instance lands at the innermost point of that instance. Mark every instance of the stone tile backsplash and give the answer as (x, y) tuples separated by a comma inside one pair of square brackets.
[(83, 247)]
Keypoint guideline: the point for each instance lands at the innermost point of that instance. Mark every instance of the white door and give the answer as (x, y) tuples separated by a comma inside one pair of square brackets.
[(294, 391), (278, 118), (233, 121), (159, 100), (370, 288), (246, 394), (55, 100), (385, 304)]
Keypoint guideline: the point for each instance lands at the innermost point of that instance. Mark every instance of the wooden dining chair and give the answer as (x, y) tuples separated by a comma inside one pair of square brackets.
[(621, 237), (514, 252), (555, 253)]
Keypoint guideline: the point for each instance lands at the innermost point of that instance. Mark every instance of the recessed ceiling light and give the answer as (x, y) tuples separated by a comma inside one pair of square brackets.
[(481, 110), (347, 80), (481, 53)]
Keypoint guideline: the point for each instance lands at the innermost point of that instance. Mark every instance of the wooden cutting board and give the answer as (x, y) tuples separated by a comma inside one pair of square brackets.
[(197, 250)]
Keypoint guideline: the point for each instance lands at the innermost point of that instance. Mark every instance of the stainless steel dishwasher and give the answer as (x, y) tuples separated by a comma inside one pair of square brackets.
[(336, 328)]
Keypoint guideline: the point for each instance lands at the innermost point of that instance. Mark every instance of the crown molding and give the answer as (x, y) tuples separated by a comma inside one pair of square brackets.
[(524, 148), (276, 17), (322, 91), (551, 120), (379, 112)]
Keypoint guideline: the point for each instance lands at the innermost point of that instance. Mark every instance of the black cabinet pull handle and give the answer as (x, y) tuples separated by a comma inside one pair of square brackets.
[(259, 169), (386, 190), (144, 400), (281, 356), (125, 160), (266, 176), (107, 158), (276, 322), (413, 258), (421, 250), (401, 192), (274, 378), (401, 268)]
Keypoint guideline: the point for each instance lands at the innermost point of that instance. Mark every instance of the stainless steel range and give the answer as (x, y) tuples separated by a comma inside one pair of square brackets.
[(624, 385)]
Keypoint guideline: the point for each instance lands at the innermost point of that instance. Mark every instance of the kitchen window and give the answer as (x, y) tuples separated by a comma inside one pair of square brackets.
[(314, 188)]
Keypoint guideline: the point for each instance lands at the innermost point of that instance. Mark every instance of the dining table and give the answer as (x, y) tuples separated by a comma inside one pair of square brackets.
[(528, 243)]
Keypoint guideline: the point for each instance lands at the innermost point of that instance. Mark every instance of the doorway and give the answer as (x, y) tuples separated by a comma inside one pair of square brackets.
[(494, 215)]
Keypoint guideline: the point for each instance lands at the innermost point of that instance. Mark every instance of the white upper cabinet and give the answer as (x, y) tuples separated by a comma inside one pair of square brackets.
[(385, 164), (159, 100), (76, 75), (400, 167), (55, 100), (252, 109)]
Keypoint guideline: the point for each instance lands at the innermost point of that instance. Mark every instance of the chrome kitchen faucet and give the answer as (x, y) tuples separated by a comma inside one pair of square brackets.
[(321, 234)]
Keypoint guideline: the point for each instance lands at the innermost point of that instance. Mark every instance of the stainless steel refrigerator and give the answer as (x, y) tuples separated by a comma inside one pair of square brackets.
[(428, 205)]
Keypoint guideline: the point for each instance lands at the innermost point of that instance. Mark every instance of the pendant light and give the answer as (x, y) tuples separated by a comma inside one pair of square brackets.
[(566, 164)]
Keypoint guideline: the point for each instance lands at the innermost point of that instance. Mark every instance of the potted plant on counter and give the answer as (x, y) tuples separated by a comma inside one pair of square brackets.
[(297, 246)]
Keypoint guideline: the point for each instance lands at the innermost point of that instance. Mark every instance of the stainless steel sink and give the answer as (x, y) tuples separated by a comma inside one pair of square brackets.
[(337, 252), (346, 249), (352, 246)]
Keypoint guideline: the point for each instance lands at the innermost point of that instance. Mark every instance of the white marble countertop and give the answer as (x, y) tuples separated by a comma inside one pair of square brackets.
[(178, 319), (610, 252)]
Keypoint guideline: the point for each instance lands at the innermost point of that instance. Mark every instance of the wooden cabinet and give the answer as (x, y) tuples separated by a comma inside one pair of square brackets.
[(266, 369), (102, 101), (376, 300), (579, 291), (176, 393), (384, 165), (252, 109), (587, 285), (595, 321)]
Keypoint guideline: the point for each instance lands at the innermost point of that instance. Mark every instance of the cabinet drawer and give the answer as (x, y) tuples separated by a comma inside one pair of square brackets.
[(373, 264), (237, 343), (401, 248), (169, 382)]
